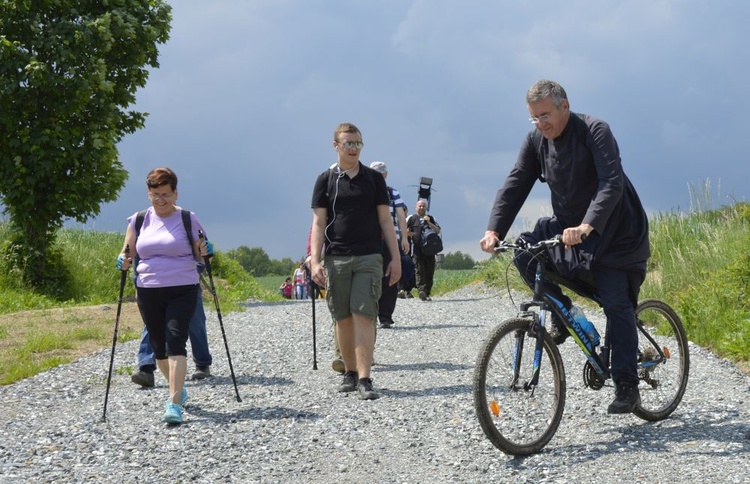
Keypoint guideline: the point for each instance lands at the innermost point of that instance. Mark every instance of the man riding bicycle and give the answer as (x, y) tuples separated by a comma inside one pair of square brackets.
[(597, 211)]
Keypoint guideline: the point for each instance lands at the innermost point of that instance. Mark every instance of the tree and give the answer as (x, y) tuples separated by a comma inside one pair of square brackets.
[(255, 260), (458, 260), (283, 267), (68, 71)]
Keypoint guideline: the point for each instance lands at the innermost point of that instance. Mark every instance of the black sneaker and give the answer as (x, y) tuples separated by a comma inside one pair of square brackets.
[(349, 384), (201, 372), (409, 295), (143, 378), (386, 323), (422, 295), (558, 331), (365, 389), (402, 294), (627, 397)]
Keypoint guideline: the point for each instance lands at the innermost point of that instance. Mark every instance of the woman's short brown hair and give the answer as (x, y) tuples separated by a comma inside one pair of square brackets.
[(161, 176)]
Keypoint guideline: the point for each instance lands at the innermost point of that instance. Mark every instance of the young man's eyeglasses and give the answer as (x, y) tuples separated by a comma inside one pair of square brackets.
[(166, 197), (352, 145)]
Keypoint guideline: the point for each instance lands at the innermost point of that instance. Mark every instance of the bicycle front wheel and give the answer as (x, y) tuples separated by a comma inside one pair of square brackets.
[(519, 419), (663, 360)]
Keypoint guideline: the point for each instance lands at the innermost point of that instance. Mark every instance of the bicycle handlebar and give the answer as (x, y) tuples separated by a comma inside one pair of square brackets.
[(504, 246)]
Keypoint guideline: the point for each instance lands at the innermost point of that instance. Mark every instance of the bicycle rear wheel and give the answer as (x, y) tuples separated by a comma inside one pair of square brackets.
[(663, 364), (518, 420)]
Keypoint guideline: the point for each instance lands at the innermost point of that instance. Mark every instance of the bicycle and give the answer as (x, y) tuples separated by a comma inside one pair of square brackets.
[(519, 379)]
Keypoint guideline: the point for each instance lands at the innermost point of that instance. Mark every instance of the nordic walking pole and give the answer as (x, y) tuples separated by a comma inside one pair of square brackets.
[(123, 277), (313, 293), (207, 262)]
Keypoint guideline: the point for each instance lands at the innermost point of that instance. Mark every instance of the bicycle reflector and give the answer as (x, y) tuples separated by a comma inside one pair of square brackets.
[(494, 408), (666, 351)]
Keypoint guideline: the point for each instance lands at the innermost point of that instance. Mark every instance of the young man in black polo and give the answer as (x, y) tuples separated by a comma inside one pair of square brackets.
[(351, 222)]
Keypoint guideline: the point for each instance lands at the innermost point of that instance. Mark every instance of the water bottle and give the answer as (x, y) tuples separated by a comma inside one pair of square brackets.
[(585, 325)]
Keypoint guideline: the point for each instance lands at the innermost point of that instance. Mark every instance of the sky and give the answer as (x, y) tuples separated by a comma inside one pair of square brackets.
[(248, 93)]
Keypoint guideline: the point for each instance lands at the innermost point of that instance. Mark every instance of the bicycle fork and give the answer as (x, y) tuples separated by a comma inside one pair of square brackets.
[(537, 333)]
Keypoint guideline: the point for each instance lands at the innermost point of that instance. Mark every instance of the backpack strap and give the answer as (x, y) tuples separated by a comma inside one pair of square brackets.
[(139, 223), (187, 221)]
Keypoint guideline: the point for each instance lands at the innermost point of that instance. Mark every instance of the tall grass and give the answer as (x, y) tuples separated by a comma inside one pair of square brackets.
[(447, 281), (701, 265)]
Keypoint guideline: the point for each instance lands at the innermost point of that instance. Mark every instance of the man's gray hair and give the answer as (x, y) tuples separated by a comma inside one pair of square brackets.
[(542, 89)]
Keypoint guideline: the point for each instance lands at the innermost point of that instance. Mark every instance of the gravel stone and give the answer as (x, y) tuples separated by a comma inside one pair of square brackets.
[(292, 424)]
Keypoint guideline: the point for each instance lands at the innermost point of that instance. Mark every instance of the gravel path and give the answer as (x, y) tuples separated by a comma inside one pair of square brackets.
[(292, 425)]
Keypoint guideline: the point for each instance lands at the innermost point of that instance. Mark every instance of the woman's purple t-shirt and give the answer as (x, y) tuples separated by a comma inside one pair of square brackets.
[(165, 256)]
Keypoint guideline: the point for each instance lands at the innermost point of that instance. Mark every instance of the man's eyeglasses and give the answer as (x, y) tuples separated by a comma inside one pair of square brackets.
[(352, 145), (166, 197), (535, 120)]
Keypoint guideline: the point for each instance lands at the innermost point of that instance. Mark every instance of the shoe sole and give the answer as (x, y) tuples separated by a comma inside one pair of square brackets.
[(623, 410), (338, 366), (172, 419)]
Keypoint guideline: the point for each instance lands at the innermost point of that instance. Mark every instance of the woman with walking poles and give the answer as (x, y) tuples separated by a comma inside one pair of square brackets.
[(166, 280)]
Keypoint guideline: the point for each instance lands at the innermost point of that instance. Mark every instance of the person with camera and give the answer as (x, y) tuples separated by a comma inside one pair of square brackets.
[(417, 226)]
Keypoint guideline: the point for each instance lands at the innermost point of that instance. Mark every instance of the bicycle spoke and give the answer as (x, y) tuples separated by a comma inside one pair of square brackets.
[(517, 419), (663, 360)]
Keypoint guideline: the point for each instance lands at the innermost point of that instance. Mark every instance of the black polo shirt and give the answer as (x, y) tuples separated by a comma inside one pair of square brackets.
[(352, 227)]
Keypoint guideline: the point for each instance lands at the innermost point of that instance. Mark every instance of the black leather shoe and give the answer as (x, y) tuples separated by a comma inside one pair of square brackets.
[(627, 398), (201, 372)]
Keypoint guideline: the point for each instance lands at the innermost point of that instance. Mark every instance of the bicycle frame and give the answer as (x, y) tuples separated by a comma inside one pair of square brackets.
[(541, 299), (520, 403)]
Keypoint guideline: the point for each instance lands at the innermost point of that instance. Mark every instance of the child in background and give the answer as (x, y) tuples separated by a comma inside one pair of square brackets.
[(286, 288)]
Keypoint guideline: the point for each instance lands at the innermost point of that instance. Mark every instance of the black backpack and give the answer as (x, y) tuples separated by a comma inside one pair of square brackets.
[(430, 242)]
